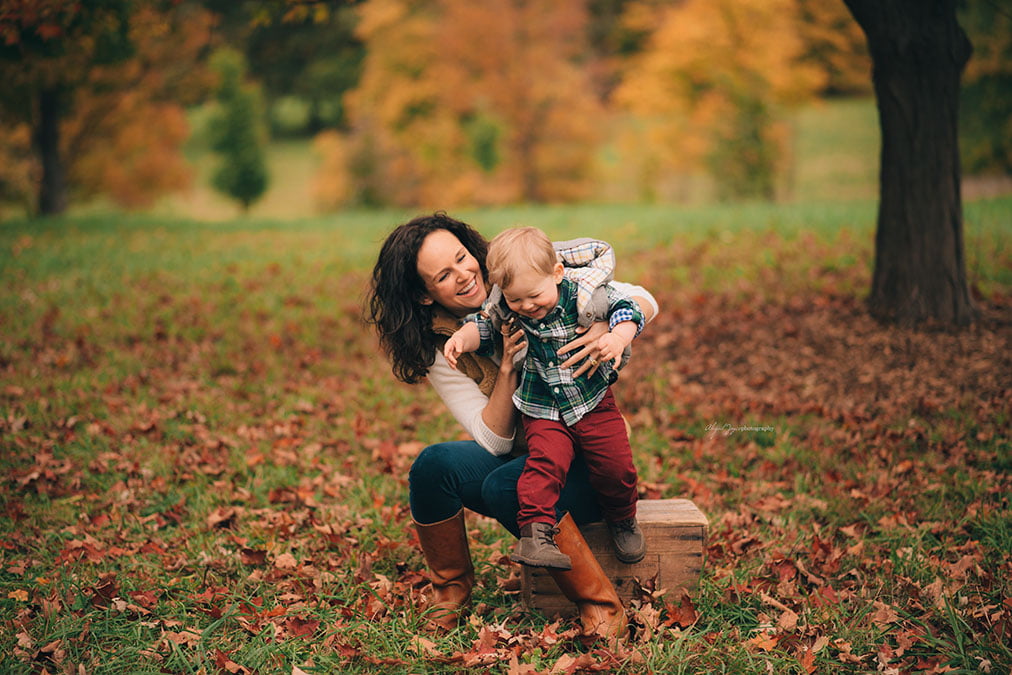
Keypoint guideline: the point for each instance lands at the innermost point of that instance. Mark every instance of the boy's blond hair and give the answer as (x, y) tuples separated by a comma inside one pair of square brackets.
[(518, 250)]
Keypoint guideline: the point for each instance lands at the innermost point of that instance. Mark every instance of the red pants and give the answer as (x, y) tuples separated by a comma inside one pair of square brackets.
[(601, 436)]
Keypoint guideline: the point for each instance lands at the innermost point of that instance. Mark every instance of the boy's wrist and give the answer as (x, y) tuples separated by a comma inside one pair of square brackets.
[(625, 331)]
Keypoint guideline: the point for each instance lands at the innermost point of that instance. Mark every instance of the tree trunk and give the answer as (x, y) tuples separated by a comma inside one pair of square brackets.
[(918, 54), (53, 190)]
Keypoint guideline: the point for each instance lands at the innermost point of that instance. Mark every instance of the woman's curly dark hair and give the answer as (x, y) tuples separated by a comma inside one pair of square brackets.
[(403, 323)]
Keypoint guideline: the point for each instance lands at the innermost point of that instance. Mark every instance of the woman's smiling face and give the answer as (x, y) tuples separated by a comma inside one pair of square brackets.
[(452, 276)]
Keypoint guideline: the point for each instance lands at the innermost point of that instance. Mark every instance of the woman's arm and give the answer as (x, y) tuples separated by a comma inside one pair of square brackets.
[(491, 420), (500, 414), (467, 404), (643, 298)]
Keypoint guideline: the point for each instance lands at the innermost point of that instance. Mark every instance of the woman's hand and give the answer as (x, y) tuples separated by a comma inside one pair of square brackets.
[(588, 349), (512, 342)]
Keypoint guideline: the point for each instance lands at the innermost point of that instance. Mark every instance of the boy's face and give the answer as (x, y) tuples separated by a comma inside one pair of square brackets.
[(534, 294)]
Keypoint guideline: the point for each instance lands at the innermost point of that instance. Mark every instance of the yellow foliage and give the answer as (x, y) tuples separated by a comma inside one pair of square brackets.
[(708, 63), (331, 185)]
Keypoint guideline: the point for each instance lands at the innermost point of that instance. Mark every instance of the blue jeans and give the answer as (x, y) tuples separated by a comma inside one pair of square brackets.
[(448, 476)]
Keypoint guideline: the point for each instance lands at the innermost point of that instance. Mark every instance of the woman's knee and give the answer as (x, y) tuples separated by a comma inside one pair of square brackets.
[(499, 493), (431, 465), (501, 485)]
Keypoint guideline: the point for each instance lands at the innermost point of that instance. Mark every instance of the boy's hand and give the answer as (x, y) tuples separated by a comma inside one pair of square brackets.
[(610, 348), (453, 348), (465, 339), (611, 344)]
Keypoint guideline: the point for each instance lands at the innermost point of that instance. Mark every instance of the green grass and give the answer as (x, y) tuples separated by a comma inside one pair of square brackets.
[(176, 392), (837, 151)]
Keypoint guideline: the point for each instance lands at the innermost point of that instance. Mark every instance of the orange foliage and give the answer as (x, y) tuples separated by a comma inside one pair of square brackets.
[(136, 156), (67, 42), (463, 102), (835, 44), (124, 134)]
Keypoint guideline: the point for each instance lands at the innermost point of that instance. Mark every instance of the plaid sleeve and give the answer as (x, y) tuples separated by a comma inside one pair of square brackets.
[(624, 309), (590, 263), (587, 252), (485, 332)]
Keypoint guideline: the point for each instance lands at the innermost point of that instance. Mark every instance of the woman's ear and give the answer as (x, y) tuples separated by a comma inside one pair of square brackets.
[(425, 299), (558, 272)]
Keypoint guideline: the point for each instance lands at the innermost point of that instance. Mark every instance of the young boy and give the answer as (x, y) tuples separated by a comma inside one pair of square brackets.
[(560, 415)]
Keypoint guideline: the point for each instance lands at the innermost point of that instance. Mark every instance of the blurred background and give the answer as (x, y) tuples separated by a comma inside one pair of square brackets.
[(290, 108)]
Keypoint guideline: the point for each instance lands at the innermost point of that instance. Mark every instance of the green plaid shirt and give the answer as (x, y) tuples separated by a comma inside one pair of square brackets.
[(546, 390)]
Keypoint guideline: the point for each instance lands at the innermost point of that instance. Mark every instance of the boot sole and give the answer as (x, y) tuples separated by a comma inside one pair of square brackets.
[(531, 563), (630, 560)]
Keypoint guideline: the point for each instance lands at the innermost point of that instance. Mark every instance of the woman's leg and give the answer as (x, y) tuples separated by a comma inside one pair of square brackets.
[(448, 476), (499, 494), (444, 478)]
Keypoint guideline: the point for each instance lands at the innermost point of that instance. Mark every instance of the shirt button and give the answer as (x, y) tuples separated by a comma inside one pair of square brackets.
[(556, 390), (551, 364)]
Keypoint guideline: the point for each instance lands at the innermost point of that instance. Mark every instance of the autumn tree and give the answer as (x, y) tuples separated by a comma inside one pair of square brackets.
[(237, 132), (464, 102), (123, 137), (835, 45), (711, 86), (65, 67), (918, 52)]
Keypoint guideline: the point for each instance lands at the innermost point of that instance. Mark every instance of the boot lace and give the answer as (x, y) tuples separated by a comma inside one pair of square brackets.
[(547, 535), (628, 525)]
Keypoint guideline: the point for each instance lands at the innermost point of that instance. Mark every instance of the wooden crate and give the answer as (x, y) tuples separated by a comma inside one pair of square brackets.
[(675, 531)]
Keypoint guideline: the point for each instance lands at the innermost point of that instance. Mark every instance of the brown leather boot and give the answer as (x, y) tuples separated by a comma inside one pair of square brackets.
[(587, 586), (448, 555)]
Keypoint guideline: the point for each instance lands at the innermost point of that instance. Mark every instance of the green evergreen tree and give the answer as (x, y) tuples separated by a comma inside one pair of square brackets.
[(238, 132)]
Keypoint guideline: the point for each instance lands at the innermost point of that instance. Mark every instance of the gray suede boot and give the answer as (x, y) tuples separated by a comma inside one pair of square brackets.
[(537, 548), (630, 545)]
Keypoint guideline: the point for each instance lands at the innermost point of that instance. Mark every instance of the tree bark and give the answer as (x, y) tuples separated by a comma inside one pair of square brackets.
[(53, 189), (918, 53)]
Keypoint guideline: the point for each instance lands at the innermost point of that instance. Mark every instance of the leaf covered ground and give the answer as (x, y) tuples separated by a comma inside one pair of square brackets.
[(205, 464)]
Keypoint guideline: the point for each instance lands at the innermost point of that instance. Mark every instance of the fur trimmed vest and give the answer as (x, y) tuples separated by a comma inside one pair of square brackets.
[(481, 369)]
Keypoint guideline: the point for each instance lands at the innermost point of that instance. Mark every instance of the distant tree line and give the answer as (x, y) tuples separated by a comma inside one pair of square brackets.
[(449, 101)]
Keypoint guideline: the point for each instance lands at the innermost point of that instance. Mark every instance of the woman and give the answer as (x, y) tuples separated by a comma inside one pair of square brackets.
[(429, 275)]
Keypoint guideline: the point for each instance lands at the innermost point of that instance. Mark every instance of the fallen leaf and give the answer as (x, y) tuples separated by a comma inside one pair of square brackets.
[(763, 641), (683, 614), (286, 561), (884, 615), (788, 621)]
